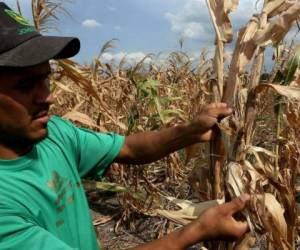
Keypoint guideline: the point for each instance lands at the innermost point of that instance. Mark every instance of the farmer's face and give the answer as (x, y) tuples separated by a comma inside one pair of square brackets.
[(24, 103)]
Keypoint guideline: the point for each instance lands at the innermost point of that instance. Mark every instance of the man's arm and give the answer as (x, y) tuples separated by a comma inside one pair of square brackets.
[(215, 223), (151, 146)]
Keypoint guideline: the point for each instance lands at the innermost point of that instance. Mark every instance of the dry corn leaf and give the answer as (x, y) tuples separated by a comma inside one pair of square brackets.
[(219, 11), (262, 166), (236, 186), (234, 179), (82, 118), (63, 87), (271, 215), (293, 116), (242, 55), (103, 219), (79, 77), (275, 31), (189, 211), (45, 13), (292, 93), (251, 149), (296, 80), (254, 178), (225, 128), (273, 8), (74, 73)]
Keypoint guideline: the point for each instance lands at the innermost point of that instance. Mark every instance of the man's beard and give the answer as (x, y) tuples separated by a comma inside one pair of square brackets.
[(17, 139)]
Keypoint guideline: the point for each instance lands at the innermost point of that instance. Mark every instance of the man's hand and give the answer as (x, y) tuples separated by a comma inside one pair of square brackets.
[(204, 124), (216, 223), (219, 223)]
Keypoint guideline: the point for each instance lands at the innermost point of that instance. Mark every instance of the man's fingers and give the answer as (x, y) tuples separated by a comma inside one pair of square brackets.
[(218, 110), (216, 105), (237, 204), (222, 109), (223, 112), (243, 227)]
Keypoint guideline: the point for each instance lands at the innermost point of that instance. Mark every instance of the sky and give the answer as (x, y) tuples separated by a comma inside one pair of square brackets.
[(141, 26)]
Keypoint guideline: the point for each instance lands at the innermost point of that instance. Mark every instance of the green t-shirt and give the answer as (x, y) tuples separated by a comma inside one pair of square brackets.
[(42, 202)]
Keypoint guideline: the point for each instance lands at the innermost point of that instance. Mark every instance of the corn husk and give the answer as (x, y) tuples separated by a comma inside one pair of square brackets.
[(189, 211)]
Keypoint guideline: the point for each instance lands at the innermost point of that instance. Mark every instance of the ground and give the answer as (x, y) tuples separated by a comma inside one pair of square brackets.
[(106, 212)]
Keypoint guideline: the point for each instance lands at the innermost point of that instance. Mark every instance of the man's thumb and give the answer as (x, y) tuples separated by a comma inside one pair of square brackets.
[(238, 204)]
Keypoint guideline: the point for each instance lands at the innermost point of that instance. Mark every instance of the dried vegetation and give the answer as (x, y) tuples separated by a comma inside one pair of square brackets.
[(257, 152)]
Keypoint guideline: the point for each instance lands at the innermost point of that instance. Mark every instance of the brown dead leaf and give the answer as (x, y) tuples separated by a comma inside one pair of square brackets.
[(273, 8), (292, 93), (275, 31), (63, 87), (103, 219), (242, 55), (293, 116), (271, 214), (219, 11), (234, 179), (82, 118)]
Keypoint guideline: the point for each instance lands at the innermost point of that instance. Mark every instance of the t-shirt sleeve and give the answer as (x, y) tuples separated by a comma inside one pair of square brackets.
[(93, 151), (97, 151), (18, 233)]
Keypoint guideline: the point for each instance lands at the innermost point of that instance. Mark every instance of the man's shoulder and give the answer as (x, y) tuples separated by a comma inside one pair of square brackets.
[(57, 124), (57, 120), (60, 129)]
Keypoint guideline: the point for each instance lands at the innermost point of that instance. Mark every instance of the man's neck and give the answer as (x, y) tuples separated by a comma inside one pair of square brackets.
[(9, 153)]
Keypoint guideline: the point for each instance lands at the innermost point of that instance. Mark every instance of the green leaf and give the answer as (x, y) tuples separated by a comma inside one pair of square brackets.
[(175, 112), (292, 65), (113, 187)]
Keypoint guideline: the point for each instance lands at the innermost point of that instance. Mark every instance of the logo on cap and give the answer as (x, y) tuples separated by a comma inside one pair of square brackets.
[(17, 17)]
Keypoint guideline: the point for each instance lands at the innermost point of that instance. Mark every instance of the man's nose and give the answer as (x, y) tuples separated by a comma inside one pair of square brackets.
[(50, 99), (43, 93)]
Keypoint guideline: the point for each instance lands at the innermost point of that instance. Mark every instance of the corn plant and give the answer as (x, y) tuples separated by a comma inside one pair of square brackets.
[(258, 150), (241, 166)]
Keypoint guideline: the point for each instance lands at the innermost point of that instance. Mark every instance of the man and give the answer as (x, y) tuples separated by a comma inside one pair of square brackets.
[(43, 158)]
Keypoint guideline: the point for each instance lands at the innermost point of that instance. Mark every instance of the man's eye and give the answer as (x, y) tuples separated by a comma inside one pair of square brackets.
[(25, 86)]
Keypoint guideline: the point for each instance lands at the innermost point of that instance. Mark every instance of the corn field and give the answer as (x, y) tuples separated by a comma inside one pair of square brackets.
[(257, 150)]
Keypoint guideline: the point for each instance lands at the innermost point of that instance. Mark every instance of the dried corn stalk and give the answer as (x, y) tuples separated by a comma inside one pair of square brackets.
[(249, 168), (45, 13), (219, 11)]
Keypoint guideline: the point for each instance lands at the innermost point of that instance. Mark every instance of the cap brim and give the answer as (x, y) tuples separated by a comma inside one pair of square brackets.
[(40, 49)]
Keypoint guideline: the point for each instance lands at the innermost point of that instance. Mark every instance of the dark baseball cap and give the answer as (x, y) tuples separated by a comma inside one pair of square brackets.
[(21, 45)]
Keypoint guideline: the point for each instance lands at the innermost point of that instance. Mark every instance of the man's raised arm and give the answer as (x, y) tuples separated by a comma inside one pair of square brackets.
[(150, 146)]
